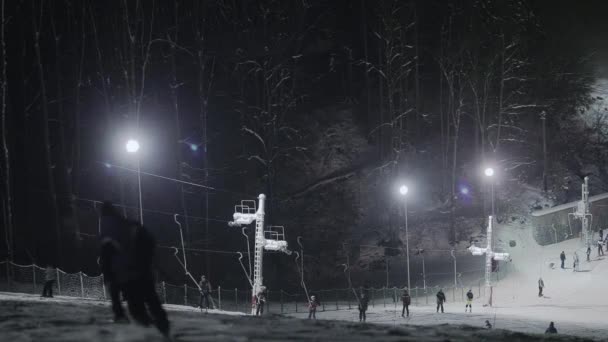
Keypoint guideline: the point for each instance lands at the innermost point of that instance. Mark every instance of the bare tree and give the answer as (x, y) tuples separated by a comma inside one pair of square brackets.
[(7, 198), (37, 21)]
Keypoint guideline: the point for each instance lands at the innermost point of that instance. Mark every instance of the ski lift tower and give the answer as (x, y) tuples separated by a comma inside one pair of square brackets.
[(272, 239), (583, 213), (490, 255)]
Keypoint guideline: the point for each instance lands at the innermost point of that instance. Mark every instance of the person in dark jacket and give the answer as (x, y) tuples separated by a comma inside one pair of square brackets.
[(50, 275), (488, 324), (127, 256), (406, 300), (111, 256), (601, 234), (588, 253), (562, 257), (205, 286), (469, 304), (440, 300), (551, 329), (260, 301), (541, 286), (363, 303), (313, 303)]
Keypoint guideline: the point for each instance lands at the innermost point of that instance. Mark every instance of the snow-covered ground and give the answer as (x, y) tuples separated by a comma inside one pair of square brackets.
[(30, 318)]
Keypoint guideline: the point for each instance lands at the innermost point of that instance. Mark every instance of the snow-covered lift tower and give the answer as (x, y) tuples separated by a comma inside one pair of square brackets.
[(490, 254), (245, 214), (582, 212)]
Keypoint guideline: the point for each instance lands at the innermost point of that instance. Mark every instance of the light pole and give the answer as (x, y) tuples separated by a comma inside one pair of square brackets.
[(420, 252), (132, 146), (404, 190), (489, 172)]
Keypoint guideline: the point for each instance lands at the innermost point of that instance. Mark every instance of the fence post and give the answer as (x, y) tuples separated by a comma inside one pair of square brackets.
[(186, 295), (236, 299), (281, 300), (34, 277), (384, 296), (59, 282), (395, 297), (8, 275), (164, 293), (336, 298), (296, 304), (454, 294), (103, 286), (81, 286), (219, 296)]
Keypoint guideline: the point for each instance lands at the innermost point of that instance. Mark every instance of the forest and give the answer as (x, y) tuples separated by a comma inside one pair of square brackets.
[(325, 106)]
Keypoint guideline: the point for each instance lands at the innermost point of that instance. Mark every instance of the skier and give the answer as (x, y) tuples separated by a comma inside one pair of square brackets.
[(363, 302), (312, 307), (260, 301), (488, 324), (111, 261), (600, 250), (127, 255), (541, 285), (588, 253), (50, 275), (440, 300), (551, 329), (205, 286), (562, 257), (407, 300), (469, 301)]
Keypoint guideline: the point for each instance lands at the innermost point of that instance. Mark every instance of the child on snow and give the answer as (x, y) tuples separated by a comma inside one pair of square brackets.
[(469, 301), (363, 302), (50, 275), (406, 299), (312, 307), (440, 300)]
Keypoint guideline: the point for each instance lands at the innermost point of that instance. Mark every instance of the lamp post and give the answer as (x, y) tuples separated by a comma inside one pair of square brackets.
[(132, 146), (489, 172), (404, 190)]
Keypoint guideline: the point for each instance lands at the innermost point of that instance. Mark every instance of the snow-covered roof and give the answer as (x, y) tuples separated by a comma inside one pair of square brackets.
[(565, 206)]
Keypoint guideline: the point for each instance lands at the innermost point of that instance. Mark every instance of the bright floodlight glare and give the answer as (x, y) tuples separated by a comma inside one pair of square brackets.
[(132, 146), (193, 147), (464, 190), (403, 190), (489, 172)]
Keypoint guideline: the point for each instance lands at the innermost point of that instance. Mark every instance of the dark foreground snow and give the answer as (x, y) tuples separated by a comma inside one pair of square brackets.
[(28, 318)]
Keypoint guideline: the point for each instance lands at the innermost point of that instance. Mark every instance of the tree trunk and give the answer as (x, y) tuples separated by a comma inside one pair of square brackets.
[(8, 200), (47, 142)]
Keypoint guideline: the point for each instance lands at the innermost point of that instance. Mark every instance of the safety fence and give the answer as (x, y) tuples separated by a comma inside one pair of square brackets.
[(30, 279)]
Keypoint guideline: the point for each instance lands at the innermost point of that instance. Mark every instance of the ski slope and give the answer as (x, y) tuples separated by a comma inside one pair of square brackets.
[(576, 301)]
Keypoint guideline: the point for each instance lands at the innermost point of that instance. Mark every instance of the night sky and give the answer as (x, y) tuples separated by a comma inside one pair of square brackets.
[(325, 106)]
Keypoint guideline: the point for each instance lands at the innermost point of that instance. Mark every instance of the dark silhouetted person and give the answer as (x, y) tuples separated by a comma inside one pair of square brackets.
[(406, 300), (112, 258), (205, 286), (488, 324), (600, 249), (469, 304), (50, 275), (588, 253), (551, 329), (312, 307), (575, 264), (562, 257), (601, 234), (128, 251), (363, 303), (260, 301), (541, 286), (440, 300)]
